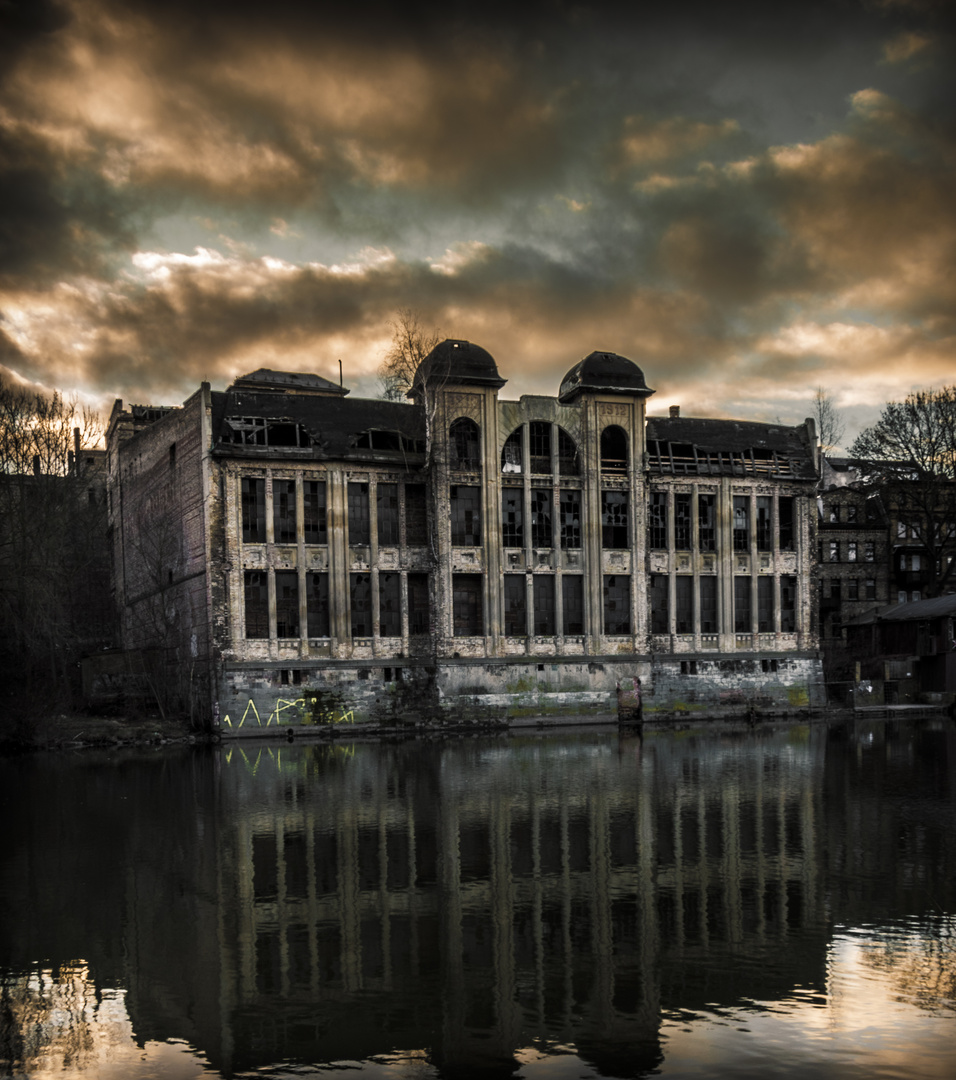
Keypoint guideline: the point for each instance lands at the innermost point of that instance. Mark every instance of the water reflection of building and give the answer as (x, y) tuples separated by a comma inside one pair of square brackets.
[(497, 898)]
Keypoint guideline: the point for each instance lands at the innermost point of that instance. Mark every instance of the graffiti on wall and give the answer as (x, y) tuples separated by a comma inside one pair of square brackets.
[(288, 711)]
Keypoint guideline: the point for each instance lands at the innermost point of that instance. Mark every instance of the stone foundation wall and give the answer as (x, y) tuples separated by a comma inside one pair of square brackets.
[(344, 696)]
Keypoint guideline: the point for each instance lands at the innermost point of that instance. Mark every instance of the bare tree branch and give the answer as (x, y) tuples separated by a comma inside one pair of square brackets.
[(830, 426)]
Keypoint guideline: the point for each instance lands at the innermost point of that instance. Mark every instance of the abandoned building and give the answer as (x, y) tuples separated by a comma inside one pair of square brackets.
[(295, 556)]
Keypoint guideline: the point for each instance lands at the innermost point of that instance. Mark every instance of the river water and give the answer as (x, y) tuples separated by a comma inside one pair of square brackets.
[(775, 903)]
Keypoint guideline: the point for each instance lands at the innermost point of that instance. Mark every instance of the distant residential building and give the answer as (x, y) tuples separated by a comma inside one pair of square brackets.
[(296, 554)]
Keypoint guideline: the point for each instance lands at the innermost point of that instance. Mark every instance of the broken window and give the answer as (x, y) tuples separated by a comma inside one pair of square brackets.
[(539, 445), (764, 528), (658, 520), (684, 602), (313, 512), (416, 515), (253, 510), (516, 616), (708, 605), (851, 551), (360, 603), (741, 523), (833, 551), (283, 511), (614, 531), (261, 431), (287, 603), (511, 453), (317, 604), (570, 518), (256, 595), (572, 595), (765, 605), (569, 463), (359, 525), (706, 523), (660, 614), (743, 618), (851, 514), (788, 603), (386, 498), (869, 551), (543, 591), (464, 445), (542, 535), (617, 604), (466, 605), (389, 605), (465, 516), (785, 527), (512, 527), (614, 450), (682, 523), (418, 604)]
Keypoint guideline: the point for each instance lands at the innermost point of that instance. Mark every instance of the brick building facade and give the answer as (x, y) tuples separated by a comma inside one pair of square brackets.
[(296, 556)]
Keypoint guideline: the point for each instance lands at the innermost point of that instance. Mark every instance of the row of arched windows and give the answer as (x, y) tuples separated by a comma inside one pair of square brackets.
[(549, 448)]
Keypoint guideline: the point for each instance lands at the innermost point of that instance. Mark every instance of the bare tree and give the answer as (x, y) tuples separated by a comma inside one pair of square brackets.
[(909, 456), (830, 425), (54, 594), (411, 343)]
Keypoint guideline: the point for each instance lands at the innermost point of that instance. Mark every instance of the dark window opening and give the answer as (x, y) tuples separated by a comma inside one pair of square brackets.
[(465, 516), (416, 515), (708, 605), (852, 589), (741, 523), (314, 518), (569, 464), (543, 591), (512, 526), (658, 520), (785, 513), (172, 455), (386, 498), (682, 523), (688, 667), (614, 451), (256, 590), (539, 445), (871, 588), (572, 595), (360, 597), (706, 523), (253, 511), (418, 620), (259, 431), (287, 603), (684, 602), (768, 666), (764, 530), (466, 605), (317, 604), (660, 613), (614, 515), (283, 511), (617, 604), (359, 523), (788, 603), (742, 595), (389, 605), (465, 445), (765, 605), (570, 518), (511, 453), (542, 535), (516, 616)]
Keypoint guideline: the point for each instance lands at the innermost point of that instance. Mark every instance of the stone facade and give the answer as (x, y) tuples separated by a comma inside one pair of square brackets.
[(298, 558)]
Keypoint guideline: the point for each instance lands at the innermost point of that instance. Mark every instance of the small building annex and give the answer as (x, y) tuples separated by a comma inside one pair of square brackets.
[(297, 556)]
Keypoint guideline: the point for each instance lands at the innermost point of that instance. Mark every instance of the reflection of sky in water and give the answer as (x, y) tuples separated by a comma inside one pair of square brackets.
[(888, 1011)]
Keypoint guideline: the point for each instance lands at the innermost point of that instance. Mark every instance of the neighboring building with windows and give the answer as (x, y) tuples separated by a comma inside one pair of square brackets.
[(308, 557)]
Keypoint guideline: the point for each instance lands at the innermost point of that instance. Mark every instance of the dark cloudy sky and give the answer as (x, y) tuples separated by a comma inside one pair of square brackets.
[(748, 200)]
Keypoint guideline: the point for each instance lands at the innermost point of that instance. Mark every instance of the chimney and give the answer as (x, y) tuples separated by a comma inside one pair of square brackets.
[(675, 412)]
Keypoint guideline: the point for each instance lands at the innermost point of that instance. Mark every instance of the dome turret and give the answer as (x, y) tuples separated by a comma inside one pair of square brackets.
[(603, 373)]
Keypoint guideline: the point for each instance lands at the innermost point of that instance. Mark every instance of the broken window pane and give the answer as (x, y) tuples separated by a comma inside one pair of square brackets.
[(287, 603), (658, 520), (741, 523), (568, 462), (512, 528), (570, 518), (283, 511), (542, 535), (465, 445), (465, 516), (614, 515), (764, 533), (253, 510), (313, 507), (614, 450), (706, 523), (359, 525), (682, 522), (511, 453), (256, 591)]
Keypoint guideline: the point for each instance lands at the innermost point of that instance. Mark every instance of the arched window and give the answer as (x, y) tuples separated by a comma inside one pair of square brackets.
[(511, 453), (568, 462), (464, 445), (614, 451)]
